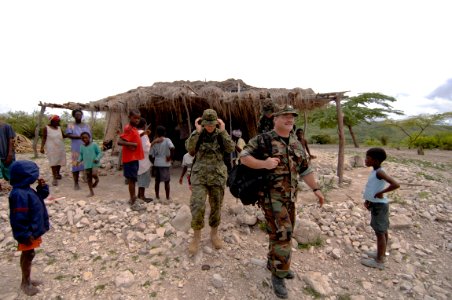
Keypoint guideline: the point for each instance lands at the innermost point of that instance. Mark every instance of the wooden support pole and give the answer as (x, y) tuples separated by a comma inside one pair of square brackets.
[(188, 115), (38, 127), (340, 127)]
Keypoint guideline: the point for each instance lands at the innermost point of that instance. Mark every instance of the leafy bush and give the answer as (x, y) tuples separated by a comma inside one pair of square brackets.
[(22, 122), (446, 142), (321, 139), (98, 129), (25, 123), (384, 140), (372, 142), (441, 140)]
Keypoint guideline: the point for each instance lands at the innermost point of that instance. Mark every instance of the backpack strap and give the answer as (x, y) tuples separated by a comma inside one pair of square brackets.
[(198, 144), (264, 141)]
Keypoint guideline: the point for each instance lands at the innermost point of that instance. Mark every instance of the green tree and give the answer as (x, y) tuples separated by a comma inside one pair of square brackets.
[(357, 109), (414, 127), (22, 122)]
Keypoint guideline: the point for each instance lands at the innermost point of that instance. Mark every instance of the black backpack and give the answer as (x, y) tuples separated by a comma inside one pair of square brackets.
[(246, 183)]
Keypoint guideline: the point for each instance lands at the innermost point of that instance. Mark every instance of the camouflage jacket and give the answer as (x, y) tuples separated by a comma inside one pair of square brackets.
[(208, 167), (283, 180)]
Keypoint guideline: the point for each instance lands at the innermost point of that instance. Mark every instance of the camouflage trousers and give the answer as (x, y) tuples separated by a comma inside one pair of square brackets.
[(279, 228), (198, 205)]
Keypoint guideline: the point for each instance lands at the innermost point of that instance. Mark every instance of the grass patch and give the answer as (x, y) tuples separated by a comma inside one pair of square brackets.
[(423, 195), (59, 277), (75, 256), (310, 291), (427, 176), (153, 295), (396, 198), (99, 288), (420, 163), (147, 284), (344, 297), (97, 258), (317, 243), (51, 261), (262, 225)]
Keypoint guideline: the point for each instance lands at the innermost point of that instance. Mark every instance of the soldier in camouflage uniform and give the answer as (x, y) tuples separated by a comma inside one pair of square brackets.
[(266, 120), (208, 174), (287, 162)]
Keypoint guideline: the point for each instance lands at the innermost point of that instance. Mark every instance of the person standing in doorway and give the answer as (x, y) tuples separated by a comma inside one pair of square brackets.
[(300, 136), (161, 155)]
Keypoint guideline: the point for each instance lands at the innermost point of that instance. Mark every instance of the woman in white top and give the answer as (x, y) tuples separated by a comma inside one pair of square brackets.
[(53, 140)]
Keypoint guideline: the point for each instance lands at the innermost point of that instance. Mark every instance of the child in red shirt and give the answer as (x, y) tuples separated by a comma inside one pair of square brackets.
[(132, 152)]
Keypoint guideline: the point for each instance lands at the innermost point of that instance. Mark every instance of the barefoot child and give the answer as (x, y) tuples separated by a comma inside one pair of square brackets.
[(90, 156), (161, 156), (28, 216), (132, 152), (377, 203)]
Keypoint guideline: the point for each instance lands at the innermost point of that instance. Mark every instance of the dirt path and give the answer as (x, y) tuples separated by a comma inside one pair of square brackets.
[(85, 260)]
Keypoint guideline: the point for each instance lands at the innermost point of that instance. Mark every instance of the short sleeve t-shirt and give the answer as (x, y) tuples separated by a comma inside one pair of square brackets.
[(131, 135), (187, 161), (161, 151)]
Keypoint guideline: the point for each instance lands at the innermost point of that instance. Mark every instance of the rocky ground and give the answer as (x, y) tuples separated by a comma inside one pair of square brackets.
[(98, 248)]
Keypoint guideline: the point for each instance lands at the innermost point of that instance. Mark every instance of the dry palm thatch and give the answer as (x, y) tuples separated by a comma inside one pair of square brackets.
[(22, 144)]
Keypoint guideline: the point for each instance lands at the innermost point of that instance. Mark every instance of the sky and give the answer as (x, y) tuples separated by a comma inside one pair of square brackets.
[(81, 51)]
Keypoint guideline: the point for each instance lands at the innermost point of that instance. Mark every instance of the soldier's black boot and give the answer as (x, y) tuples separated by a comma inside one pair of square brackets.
[(290, 275), (279, 287)]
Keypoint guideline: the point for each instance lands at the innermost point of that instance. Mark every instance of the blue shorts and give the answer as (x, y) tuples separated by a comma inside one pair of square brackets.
[(380, 217), (131, 170)]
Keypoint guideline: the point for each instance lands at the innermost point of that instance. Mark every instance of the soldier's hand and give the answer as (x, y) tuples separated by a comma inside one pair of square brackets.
[(271, 163), (198, 125), (221, 123)]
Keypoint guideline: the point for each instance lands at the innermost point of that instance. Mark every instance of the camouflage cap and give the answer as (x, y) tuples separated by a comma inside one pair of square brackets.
[(268, 107), (285, 109), (209, 117)]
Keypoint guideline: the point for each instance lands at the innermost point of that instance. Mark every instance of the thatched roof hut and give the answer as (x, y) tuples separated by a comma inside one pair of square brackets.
[(176, 106)]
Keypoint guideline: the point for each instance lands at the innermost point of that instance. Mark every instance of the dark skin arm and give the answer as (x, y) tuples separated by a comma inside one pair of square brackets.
[(393, 185), (130, 145), (170, 158), (184, 170), (9, 157)]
